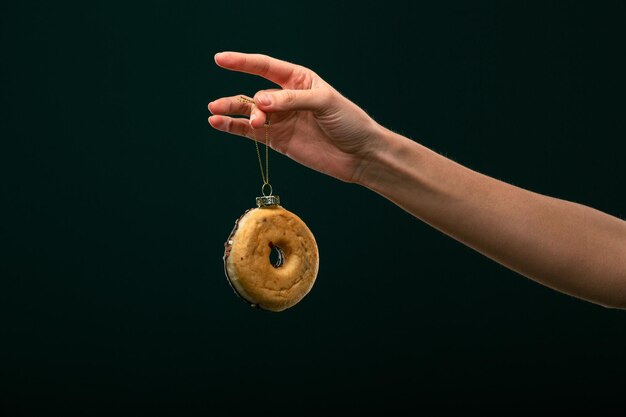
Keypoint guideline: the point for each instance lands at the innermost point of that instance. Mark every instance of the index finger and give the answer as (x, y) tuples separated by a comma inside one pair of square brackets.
[(265, 66)]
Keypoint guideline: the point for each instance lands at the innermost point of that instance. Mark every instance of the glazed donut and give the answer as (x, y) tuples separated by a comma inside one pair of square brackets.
[(263, 284)]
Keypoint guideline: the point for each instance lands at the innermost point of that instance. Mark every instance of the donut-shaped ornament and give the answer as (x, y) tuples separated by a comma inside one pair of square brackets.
[(260, 234)]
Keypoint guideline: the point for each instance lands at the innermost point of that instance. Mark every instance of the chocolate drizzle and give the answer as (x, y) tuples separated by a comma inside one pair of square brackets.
[(227, 248)]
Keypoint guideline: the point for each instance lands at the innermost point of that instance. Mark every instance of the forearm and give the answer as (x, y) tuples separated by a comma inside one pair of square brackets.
[(569, 247)]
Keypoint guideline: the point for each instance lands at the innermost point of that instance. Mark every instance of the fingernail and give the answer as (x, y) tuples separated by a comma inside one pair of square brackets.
[(252, 117), (264, 99)]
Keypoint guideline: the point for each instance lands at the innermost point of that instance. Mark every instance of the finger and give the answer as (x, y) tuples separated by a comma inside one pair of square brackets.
[(257, 118), (293, 100), (267, 67), (240, 127), (231, 105), (236, 106)]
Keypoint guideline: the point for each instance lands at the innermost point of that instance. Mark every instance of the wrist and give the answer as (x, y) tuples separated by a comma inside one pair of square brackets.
[(384, 162)]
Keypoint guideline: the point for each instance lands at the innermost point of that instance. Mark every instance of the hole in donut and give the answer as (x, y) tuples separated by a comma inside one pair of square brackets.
[(277, 256)]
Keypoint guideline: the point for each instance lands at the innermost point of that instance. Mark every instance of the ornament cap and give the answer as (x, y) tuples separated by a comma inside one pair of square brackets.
[(268, 201)]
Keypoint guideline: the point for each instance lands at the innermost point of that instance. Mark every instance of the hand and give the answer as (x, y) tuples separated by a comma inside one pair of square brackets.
[(310, 121)]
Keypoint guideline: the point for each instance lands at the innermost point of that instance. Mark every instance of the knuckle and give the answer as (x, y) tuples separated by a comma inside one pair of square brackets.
[(289, 97), (264, 65), (326, 96), (301, 77), (228, 125)]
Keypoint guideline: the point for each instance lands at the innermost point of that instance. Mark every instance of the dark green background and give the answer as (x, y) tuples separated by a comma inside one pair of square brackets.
[(117, 196)]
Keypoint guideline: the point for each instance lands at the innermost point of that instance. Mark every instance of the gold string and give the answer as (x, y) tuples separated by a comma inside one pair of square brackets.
[(265, 176)]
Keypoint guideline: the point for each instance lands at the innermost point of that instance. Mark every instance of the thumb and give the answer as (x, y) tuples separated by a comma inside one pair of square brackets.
[(290, 100)]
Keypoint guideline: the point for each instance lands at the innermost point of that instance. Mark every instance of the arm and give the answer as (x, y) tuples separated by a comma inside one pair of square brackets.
[(566, 246)]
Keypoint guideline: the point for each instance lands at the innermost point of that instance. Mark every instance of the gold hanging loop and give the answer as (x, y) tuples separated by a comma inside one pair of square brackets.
[(267, 199)]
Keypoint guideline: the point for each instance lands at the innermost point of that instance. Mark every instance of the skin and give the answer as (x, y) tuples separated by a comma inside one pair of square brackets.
[(566, 246)]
